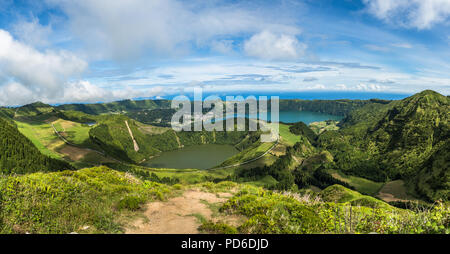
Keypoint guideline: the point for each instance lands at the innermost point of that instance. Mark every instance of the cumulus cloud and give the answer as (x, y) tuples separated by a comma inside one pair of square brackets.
[(15, 94), (28, 75), (42, 73), (271, 46), (125, 29), (84, 91), (420, 14), (370, 87)]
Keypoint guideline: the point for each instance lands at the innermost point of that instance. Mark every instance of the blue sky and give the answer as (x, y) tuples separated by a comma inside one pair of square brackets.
[(61, 51)]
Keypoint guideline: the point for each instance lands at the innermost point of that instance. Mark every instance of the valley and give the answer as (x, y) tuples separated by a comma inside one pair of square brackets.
[(374, 155)]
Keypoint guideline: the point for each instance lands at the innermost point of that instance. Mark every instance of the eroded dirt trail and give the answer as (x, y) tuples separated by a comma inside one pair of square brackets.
[(136, 147), (176, 216)]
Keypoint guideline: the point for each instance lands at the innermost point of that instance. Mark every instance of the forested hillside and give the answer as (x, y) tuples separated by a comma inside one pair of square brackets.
[(112, 135), (19, 155), (332, 107), (118, 106), (394, 141)]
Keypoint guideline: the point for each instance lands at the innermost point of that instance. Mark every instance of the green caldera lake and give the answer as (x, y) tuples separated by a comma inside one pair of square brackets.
[(196, 157), (210, 155)]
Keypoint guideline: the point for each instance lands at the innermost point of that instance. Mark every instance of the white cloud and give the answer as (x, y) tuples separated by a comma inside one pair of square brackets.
[(238, 75), (126, 29), (370, 87), (15, 94), (84, 91), (32, 32), (271, 46), (420, 14), (43, 74), (341, 87)]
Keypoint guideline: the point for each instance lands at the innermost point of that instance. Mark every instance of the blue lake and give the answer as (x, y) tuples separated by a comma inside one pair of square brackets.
[(296, 116), (305, 116)]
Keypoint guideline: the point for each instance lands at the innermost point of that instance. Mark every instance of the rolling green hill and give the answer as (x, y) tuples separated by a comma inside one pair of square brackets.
[(332, 107), (393, 141), (117, 107)]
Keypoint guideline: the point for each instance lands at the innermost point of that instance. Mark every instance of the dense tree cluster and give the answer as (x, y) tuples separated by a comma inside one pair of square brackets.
[(332, 107), (118, 106), (19, 155), (157, 117), (405, 139), (301, 128)]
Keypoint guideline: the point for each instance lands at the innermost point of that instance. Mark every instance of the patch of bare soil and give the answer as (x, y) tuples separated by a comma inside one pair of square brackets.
[(278, 150), (67, 124), (394, 191), (74, 153), (387, 197), (179, 215)]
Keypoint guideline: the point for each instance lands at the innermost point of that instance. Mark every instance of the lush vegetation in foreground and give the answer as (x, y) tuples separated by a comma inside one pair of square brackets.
[(90, 200), (102, 200), (327, 177), (334, 210)]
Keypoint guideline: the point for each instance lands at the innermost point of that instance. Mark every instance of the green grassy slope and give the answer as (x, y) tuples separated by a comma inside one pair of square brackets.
[(360, 184), (86, 201), (340, 211)]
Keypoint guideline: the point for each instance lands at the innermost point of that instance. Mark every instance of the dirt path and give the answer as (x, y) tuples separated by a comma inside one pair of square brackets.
[(178, 215), (136, 147)]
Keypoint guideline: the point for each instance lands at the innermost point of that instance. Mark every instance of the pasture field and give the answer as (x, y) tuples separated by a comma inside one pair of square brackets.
[(362, 185), (74, 132), (42, 136), (248, 154), (319, 127), (287, 137)]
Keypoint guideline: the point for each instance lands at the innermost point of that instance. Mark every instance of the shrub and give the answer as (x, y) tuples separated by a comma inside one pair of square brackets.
[(131, 203)]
